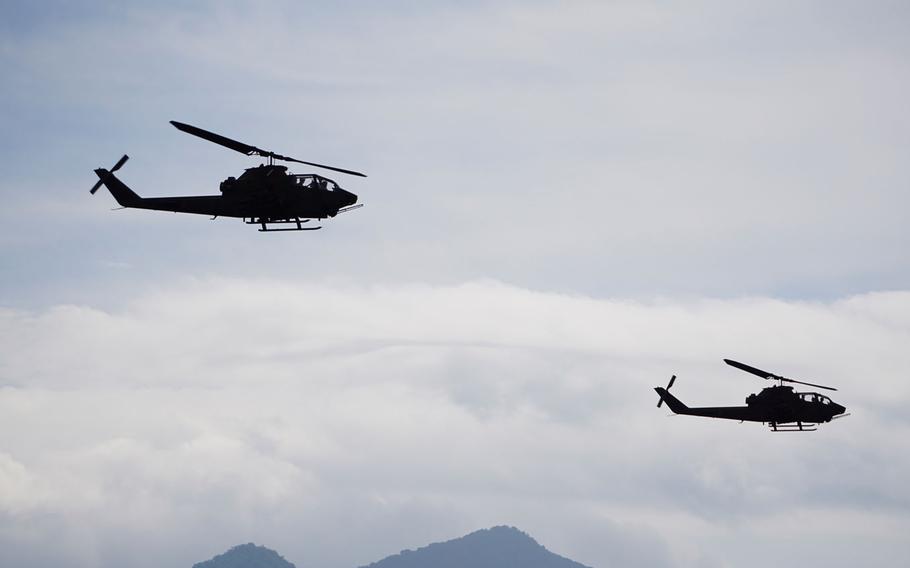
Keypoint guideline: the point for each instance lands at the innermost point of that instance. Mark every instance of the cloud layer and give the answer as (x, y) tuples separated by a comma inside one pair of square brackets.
[(351, 421), (663, 186)]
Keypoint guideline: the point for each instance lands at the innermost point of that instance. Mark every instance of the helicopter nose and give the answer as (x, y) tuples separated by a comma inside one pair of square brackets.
[(838, 409), (347, 198)]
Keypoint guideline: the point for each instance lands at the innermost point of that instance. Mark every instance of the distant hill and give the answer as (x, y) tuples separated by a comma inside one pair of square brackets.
[(246, 556), (498, 547)]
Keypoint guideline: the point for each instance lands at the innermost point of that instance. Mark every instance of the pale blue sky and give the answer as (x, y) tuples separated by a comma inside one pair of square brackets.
[(719, 150), (566, 203)]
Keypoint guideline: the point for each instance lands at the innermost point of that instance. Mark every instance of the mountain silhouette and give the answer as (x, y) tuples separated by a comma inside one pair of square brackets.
[(498, 547), (246, 556)]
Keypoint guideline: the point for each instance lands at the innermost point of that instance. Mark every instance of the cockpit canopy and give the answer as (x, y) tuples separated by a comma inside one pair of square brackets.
[(814, 397), (313, 181)]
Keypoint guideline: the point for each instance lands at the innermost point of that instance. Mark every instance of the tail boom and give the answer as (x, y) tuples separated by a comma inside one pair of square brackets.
[(742, 413), (202, 204)]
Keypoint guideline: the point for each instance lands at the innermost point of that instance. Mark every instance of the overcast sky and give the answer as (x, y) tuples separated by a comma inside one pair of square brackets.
[(566, 203)]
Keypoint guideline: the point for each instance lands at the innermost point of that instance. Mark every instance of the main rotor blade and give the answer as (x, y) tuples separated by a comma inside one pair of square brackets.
[(251, 150), (750, 369), (334, 169), (808, 384), (771, 376), (217, 138)]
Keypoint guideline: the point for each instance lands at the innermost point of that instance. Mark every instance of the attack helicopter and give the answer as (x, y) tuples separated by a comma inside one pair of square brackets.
[(265, 195), (778, 406)]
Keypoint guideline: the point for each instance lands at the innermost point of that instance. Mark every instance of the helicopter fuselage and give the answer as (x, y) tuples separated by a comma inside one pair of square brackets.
[(773, 405), (263, 194), (779, 406)]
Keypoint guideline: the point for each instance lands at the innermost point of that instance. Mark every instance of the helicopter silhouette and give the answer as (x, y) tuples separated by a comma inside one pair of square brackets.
[(778, 406), (265, 195)]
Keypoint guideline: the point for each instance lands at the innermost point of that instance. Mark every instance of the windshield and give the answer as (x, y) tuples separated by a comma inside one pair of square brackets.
[(314, 181), (814, 397)]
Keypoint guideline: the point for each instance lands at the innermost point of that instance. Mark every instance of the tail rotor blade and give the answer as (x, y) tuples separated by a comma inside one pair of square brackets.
[(116, 167), (670, 384), (120, 163)]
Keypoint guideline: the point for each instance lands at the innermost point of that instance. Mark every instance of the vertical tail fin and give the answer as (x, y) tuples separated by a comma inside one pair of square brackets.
[(674, 403), (123, 194), (116, 167)]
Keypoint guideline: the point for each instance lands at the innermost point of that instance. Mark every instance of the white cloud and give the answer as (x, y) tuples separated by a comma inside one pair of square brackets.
[(276, 412), (155, 414)]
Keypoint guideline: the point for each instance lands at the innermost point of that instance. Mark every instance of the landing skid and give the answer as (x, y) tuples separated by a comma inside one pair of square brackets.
[(266, 223), (793, 426)]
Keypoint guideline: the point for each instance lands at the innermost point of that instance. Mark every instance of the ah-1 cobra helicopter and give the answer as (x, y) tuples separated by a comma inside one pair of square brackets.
[(264, 195), (779, 406)]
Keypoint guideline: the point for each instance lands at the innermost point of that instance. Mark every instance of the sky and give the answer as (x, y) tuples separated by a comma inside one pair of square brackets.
[(567, 202)]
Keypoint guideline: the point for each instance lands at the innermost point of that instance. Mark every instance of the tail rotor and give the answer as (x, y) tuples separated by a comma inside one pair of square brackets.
[(116, 167), (670, 384)]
